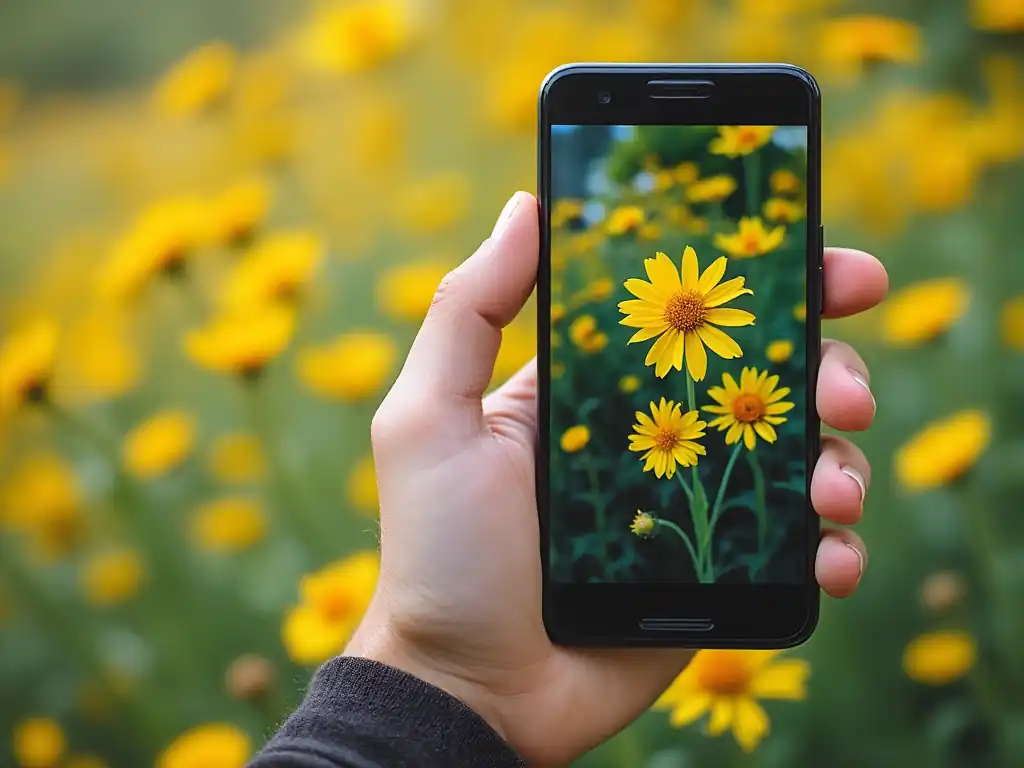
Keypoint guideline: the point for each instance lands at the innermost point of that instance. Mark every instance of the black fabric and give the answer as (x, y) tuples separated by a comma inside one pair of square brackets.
[(363, 714)]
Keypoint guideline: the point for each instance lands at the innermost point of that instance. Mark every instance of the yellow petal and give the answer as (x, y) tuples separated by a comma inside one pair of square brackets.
[(676, 354), (658, 348), (663, 273), (644, 334), (748, 380), (774, 239), (766, 431), (719, 342), (727, 291), (733, 435), (785, 679), (659, 463), (689, 709), (696, 357), (774, 409), (712, 275), (749, 724), (645, 420), (691, 270), (729, 317), (777, 395), (731, 388), (640, 443), (721, 717), (644, 290), (749, 439), (670, 465), (775, 420), (766, 384), (718, 395), (642, 307)]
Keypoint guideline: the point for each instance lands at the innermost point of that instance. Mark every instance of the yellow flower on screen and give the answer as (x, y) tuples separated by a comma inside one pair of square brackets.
[(565, 211), (38, 742), (943, 451), (41, 498), (229, 524), (213, 745), (435, 203), (406, 291), (749, 410), (159, 242), (800, 312), (778, 209), (112, 577), (1013, 323), (712, 189), (629, 384), (779, 351), (331, 604), (575, 438), (361, 488), (683, 314), (197, 81), (850, 42), (667, 438), (276, 269), (159, 444), (939, 658), (357, 36), (726, 685), (233, 216), (737, 140), (997, 15), (352, 367), (27, 359), (583, 332), (686, 173), (643, 524), (923, 311), (750, 239), (624, 219), (242, 343), (100, 355), (784, 182), (237, 458)]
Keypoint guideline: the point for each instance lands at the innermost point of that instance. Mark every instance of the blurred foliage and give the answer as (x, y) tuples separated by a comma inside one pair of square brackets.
[(184, 418)]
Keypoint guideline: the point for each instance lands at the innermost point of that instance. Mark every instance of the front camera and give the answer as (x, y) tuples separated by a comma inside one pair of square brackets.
[(604, 97)]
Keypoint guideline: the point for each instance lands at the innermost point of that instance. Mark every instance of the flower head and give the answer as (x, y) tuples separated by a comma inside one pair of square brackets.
[(405, 292), (42, 499), (851, 42), (276, 269), (332, 602), (159, 444), (668, 439), (779, 209), (112, 577), (629, 384), (624, 219), (353, 367), (784, 182), (727, 684), (584, 334), (644, 524), (943, 451), (736, 140), (27, 360), (923, 311), (101, 357), (751, 410), (712, 189), (242, 343), (197, 81), (779, 351), (575, 438), (358, 36), (997, 15), (213, 745), (362, 485), (38, 743), (939, 658), (683, 313), (566, 211), (234, 215), (237, 458), (751, 239), (229, 524)]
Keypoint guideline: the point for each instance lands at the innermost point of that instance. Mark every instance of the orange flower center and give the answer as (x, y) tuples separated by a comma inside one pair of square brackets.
[(666, 440), (748, 408), (722, 672), (685, 310), (336, 605), (746, 137), (751, 244)]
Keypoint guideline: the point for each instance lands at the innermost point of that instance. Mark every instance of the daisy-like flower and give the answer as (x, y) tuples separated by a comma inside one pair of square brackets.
[(643, 524), (736, 140), (669, 439), (728, 684), (751, 410), (751, 239), (713, 189), (276, 269), (27, 359), (624, 219), (683, 312), (243, 343), (782, 210)]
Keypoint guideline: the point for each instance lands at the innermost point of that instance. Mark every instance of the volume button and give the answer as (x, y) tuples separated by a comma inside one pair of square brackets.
[(821, 269)]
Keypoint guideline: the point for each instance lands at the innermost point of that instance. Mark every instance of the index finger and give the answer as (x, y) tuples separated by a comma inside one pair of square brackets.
[(854, 282)]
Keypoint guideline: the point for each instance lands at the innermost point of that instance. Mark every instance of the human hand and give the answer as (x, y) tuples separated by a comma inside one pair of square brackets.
[(459, 599)]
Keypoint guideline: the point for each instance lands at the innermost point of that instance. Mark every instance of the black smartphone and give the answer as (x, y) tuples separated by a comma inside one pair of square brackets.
[(680, 292)]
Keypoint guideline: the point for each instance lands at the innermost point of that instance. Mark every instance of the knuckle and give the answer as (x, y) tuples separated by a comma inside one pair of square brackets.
[(402, 420), (446, 290)]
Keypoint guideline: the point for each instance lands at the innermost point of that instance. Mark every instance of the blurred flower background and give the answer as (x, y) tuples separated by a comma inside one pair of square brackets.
[(220, 224)]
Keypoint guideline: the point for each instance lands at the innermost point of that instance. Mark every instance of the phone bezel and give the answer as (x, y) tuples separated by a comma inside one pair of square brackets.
[(604, 614)]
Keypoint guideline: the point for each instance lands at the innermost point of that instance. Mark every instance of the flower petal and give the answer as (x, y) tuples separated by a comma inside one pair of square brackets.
[(729, 317), (718, 395), (645, 334), (749, 439), (712, 275), (696, 356), (726, 291), (733, 435), (778, 395), (765, 431), (658, 348), (722, 344), (785, 679), (731, 388), (775, 409), (749, 723), (644, 290), (721, 716), (663, 274), (691, 270), (689, 709)]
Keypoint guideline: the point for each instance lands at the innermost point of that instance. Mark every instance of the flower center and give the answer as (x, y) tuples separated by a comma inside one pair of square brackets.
[(722, 672), (748, 408), (666, 440), (746, 137), (685, 310), (751, 244), (335, 605)]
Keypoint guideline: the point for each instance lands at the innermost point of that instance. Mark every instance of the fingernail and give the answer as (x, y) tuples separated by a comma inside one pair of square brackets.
[(857, 478), (859, 378), (860, 559), (505, 216)]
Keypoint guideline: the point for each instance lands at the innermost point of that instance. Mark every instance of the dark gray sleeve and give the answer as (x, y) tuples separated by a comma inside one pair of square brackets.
[(363, 714)]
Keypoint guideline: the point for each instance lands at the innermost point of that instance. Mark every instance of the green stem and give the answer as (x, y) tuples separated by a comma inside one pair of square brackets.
[(685, 487), (595, 492), (716, 509), (699, 505), (761, 511), (752, 181), (694, 556)]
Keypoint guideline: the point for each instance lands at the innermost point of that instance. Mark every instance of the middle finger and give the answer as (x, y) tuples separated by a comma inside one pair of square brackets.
[(844, 396)]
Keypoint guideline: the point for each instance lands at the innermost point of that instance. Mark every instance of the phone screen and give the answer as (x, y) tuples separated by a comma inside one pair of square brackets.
[(678, 435)]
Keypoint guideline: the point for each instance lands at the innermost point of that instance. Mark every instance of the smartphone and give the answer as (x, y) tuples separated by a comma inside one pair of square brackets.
[(679, 297)]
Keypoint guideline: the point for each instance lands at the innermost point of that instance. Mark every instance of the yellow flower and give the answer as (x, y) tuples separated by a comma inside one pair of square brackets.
[(649, 230), (751, 239), (27, 359), (600, 289), (1013, 323), (229, 524), (786, 211), (566, 211), (779, 351), (784, 182), (852, 41), (101, 359), (242, 343), (686, 173), (575, 439), (38, 743), (353, 37), (41, 498), (112, 577), (629, 384), (352, 367), (197, 81), (684, 314), (434, 204), (713, 189), (922, 311), (558, 311), (277, 268), (643, 524), (237, 458), (213, 745), (332, 602), (624, 219), (997, 15), (751, 410), (943, 451), (584, 334), (737, 140), (668, 439), (800, 312), (234, 215), (939, 658), (159, 444), (405, 292), (160, 241), (727, 684), (362, 485)]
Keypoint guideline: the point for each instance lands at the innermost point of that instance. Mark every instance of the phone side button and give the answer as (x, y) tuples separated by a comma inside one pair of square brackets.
[(821, 290), (673, 624)]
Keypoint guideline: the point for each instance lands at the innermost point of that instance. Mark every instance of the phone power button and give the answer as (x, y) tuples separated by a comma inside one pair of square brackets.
[(821, 269)]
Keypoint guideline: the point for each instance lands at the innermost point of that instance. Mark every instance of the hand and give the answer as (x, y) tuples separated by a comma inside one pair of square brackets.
[(459, 599)]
